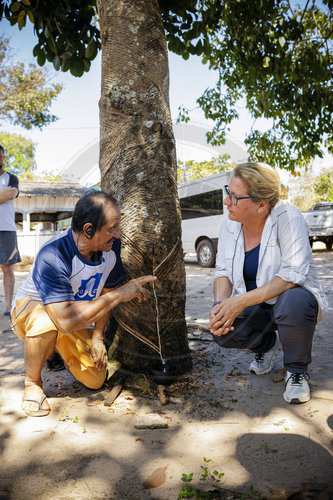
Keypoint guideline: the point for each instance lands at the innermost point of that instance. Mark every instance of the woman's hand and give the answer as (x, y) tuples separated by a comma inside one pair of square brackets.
[(223, 315)]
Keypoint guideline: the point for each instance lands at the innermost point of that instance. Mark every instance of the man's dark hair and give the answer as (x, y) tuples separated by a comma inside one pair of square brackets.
[(2, 149), (90, 208)]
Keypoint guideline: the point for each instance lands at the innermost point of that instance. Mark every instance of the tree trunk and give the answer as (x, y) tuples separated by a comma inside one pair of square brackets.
[(138, 165)]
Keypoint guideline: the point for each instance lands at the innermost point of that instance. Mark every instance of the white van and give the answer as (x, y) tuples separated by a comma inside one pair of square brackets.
[(201, 203)]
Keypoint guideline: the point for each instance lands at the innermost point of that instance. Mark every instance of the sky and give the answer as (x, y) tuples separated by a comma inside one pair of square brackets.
[(77, 105)]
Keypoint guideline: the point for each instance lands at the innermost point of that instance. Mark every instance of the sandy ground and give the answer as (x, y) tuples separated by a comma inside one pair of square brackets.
[(229, 428)]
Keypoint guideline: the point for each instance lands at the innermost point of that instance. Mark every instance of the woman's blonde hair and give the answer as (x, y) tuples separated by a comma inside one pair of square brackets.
[(262, 181)]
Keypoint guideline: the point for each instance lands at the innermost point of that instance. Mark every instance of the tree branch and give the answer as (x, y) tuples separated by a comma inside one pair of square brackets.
[(291, 10), (306, 5)]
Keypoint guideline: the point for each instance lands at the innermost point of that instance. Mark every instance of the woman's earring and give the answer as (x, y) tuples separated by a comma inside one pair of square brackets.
[(259, 211)]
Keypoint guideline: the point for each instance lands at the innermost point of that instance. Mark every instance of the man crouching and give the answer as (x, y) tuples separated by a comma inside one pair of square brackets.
[(72, 285)]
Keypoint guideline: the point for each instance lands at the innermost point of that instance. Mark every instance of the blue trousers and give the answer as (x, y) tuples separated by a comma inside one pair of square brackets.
[(294, 315)]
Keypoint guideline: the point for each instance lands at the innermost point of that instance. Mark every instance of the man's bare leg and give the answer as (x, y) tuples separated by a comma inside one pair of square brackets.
[(36, 351), (8, 285)]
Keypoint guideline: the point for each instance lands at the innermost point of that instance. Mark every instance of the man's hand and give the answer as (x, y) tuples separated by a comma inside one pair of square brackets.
[(134, 289), (223, 315), (99, 354)]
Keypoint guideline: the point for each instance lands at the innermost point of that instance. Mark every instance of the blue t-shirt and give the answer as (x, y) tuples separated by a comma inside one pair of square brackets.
[(61, 274), (250, 268)]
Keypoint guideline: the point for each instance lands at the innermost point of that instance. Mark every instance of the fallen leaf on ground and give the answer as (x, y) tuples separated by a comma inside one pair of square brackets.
[(157, 478)]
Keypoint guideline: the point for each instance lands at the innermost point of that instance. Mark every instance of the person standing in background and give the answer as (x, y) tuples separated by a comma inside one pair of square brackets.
[(9, 254)]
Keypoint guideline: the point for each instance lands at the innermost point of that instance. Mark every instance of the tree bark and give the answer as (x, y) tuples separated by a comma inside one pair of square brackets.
[(138, 165)]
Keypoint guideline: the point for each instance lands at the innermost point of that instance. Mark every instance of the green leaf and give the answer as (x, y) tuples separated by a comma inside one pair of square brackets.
[(56, 63), (15, 7), (86, 65), (266, 62), (26, 2), (21, 19), (36, 50), (91, 49), (31, 17), (65, 65), (77, 69), (51, 43), (41, 58), (282, 41)]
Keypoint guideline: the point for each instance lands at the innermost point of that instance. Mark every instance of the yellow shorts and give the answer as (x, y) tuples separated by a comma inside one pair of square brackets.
[(29, 318)]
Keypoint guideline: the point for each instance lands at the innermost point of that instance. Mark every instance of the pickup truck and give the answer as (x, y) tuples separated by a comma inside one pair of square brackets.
[(320, 222)]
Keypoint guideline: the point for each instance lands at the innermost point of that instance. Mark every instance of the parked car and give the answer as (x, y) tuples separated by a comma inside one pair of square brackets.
[(320, 222)]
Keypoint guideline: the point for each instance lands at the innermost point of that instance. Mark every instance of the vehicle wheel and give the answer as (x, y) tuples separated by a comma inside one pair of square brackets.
[(311, 242), (328, 244), (206, 253)]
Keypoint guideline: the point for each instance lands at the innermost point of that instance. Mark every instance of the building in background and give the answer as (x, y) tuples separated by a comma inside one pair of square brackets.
[(41, 210)]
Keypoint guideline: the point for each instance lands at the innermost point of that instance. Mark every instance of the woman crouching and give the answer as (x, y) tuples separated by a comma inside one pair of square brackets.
[(266, 290)]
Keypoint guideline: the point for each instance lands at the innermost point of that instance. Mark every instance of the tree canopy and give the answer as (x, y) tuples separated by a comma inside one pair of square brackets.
[(21, 161), (191, 170), (20, 154), (25, 97), (324, 185), (274, 54), (278, 56)]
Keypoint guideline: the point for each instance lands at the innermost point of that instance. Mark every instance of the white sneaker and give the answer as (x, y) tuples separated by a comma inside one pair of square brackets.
[(297, 388), (263, 363)]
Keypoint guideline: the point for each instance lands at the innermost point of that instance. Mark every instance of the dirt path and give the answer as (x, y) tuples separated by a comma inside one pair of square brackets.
[(236, 421)]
